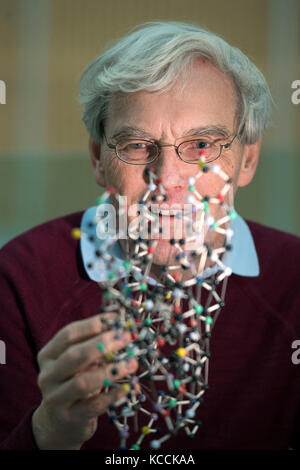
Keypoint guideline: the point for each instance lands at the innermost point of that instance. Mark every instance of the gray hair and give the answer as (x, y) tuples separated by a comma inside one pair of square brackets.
[(152, 58)]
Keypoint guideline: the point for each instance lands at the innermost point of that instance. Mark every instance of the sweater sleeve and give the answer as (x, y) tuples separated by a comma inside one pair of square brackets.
[(19, 393)]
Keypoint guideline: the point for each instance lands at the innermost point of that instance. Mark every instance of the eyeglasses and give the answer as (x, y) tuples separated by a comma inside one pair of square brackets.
[(137, 151)]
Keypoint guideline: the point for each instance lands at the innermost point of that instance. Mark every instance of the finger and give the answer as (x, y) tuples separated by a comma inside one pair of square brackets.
[(76, 332), (81, 386), (81, 356), (99, 404)]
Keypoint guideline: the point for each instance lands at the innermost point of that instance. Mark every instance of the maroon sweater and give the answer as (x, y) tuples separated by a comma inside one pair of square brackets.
[(254, 396)]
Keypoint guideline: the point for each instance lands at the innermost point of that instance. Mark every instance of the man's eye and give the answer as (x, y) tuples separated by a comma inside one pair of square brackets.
[(138, 145), (201, 144), (129, 146)]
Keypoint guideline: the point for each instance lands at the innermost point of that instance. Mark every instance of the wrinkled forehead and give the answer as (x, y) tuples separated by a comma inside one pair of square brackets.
[(202, 85)]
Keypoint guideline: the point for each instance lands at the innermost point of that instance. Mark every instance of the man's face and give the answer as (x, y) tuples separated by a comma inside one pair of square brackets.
[(208, 100)]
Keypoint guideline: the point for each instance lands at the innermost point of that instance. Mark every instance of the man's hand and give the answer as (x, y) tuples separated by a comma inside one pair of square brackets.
[(72, 372)]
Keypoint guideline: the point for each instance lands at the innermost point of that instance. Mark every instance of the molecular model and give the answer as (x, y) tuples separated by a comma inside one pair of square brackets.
[(171, 318)]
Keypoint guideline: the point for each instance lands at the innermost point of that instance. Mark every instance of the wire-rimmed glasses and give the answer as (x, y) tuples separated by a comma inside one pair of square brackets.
[(138, 151)]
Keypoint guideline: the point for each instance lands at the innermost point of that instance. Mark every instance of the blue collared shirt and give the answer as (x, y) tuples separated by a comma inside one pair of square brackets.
[(242, 258)]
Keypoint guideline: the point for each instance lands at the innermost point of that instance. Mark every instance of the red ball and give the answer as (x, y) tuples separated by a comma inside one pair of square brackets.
[(111, 190)]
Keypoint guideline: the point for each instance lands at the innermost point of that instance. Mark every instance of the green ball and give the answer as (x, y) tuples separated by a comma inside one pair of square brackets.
[(108, 295), (198, 308), (126, 265), (205, 206), (172, 402)]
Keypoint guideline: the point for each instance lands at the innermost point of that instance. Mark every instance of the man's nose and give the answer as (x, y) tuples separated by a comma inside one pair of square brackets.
[(168, 167)]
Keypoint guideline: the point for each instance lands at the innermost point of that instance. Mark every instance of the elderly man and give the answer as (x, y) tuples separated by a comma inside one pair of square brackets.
[(164, 89)]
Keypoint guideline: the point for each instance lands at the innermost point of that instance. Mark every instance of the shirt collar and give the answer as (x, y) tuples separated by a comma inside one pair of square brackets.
[(242, 258)]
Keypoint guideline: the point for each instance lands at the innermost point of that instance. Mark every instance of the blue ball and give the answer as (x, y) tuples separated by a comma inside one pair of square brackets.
[(155, 444), (190, 413)]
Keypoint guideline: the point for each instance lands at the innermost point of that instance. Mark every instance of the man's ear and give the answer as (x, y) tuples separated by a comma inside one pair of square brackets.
[(97, 162), (249, 163)]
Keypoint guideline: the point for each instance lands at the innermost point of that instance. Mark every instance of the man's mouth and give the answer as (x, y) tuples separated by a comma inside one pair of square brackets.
[(166, 212), (170, 212)]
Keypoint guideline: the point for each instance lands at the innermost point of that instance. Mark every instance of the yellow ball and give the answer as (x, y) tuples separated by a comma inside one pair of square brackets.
[(168, 296), (76, 233), (109, 356), (145, 430), (181, 352), (126, 387)]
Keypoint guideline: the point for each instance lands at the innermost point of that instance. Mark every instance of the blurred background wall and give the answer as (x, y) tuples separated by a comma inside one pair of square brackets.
[(45, 169)]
